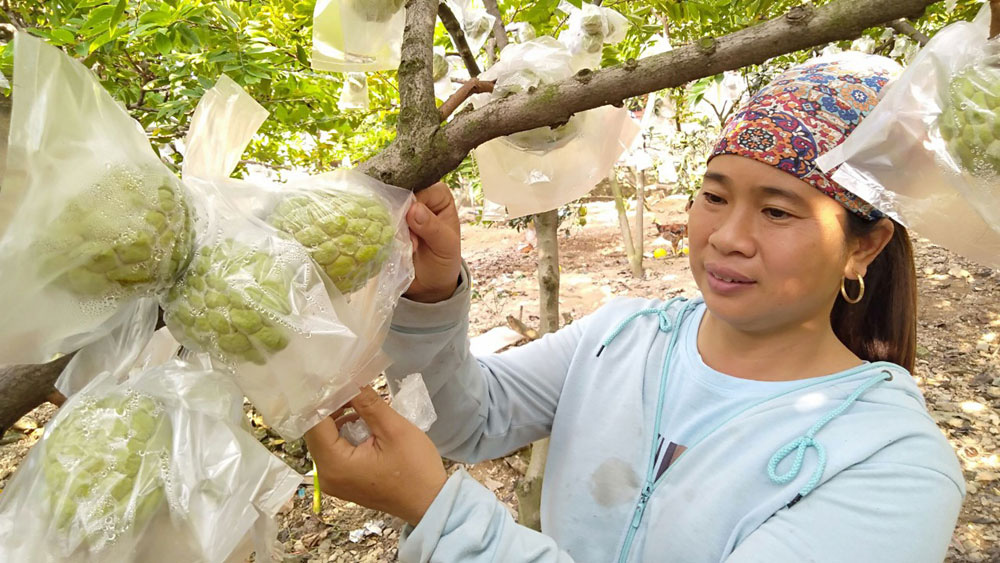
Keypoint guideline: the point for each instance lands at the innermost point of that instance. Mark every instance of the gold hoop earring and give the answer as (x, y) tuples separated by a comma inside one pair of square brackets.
[(861, 293)]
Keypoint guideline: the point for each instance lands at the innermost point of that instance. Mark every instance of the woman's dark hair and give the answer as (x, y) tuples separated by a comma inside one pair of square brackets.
[(883, 325)]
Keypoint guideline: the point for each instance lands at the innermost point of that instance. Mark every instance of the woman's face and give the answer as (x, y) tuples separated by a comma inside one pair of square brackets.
[(767, 250)]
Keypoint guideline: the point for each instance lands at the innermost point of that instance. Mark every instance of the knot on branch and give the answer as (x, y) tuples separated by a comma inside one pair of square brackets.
[(800, 14), (707, 45), (584, 75), (631, 64)]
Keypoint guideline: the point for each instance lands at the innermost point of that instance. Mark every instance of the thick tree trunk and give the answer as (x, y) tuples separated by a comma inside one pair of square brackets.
[(529, 490), (22, 388), (616, 189)]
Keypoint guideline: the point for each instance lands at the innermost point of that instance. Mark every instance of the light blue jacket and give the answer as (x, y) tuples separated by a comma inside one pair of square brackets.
[(875, 479)]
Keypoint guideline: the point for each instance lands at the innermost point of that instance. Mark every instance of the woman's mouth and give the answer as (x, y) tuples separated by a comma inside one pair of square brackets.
[(727, 281)]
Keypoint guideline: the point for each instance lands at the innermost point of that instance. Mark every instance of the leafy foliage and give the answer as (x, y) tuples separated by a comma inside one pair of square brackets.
[(159, 56)]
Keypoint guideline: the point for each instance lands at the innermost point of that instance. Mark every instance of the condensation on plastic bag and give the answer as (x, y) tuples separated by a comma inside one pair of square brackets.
[(357, 35), (91, 219), (411, 400), (566, 162), (118, 352), (899, 161), (354, 92), (292, 285), (160, 467)]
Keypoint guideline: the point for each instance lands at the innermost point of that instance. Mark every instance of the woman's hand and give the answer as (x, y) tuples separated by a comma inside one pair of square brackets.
[(397, 470), (437, 245)]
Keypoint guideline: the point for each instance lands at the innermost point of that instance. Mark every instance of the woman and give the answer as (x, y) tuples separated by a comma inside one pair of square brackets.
[(773, 419)]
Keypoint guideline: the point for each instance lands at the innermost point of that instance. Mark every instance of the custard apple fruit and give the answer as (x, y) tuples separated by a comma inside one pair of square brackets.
[(593, 24), (541, 138), (970, 120), (376, 10), (477, 25), (129, 233), (103, 466), (348, 234), (227, 302), (440, 66)]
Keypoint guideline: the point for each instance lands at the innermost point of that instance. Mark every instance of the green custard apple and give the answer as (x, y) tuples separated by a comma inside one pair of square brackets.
[(348, 234), (970, 120), (227, 302), (376, 10), (128, 233), (103, 466)]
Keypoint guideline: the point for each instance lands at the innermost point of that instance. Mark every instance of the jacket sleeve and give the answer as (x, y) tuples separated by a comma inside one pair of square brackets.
[(859, 516), (467, 523), (488, 406)]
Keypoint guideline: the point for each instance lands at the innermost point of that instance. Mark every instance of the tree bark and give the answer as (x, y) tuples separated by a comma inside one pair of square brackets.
[(454, 28), (499, 32), (529, 490), (26, 387), (415, 163), (640, 209), (906, 28), (616, 189), (995, 18)]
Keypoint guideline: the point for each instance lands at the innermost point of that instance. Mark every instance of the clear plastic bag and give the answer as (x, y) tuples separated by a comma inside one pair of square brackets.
[(292, 286), (441, 73), (159, 467), (588, 29), (915, 158), (91, 220), (354, 93), (357, 35), (477, 24), (541, 169)]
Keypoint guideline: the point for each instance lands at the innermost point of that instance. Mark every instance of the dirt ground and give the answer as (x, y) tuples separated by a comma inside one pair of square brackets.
[(957, 369)]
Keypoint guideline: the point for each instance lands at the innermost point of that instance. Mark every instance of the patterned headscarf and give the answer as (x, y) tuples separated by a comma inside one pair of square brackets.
[(804, 113)]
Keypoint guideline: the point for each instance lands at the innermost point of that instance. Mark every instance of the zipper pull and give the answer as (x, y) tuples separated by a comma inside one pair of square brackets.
[(641, 506)]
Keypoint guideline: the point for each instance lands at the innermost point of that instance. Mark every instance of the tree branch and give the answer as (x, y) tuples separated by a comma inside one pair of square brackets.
[(418, 111), (416, 167), (473, 86), (22, 388), (995, 20), (499, 33), (458, 38), (904, 27)]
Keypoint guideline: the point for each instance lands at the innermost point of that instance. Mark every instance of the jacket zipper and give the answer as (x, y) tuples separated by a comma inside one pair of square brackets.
[(650, 484)]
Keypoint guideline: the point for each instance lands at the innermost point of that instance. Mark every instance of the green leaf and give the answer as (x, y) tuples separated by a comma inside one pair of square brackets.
[(99, 41), (117, 15), (163, 44), (300, 54), (63, 36)]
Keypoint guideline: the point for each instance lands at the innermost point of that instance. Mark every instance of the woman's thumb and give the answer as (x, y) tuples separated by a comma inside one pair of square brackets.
[(373, 410), (428, 226)]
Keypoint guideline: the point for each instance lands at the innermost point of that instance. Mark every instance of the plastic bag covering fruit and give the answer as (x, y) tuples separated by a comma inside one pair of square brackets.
[(970, 118), (348, 234), (103, 467), (227, 302), (440, 65), (376, 10), (129, 233), (541, 138), (477, 24)]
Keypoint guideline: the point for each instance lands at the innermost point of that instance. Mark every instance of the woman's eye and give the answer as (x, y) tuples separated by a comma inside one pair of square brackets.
[(712, 198), (774, 213)]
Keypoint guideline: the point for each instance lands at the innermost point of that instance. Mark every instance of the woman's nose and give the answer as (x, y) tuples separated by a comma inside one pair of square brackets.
[(734, 234)]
